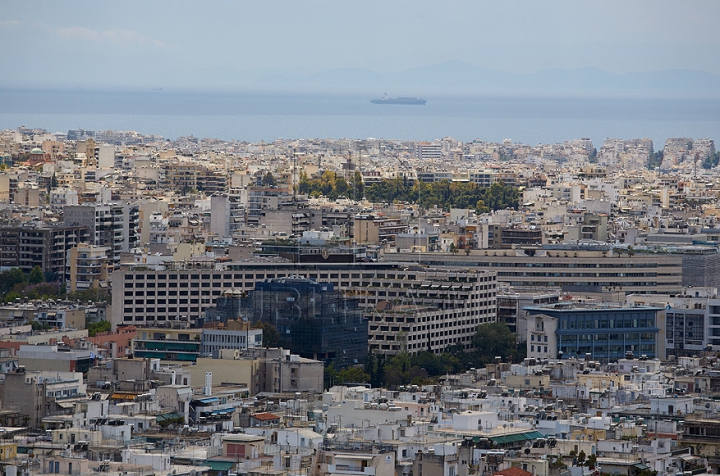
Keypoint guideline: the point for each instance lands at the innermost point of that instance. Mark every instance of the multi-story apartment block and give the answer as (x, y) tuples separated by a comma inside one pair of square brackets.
[(60, 197), (113, 225), (88, 267), (212, 341), (182, 176), (211, 181), (370, 229), (40, 245), (183, 345), (508, 237), (434, 310), (428, 150), (266, 198), (692, 320)]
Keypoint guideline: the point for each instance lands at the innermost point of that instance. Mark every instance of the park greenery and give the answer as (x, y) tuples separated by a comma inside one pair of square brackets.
[(16, 284), (443, 194), (491, 340)]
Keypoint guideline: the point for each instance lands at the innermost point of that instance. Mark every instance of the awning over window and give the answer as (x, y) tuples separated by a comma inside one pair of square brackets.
[(516, 438)]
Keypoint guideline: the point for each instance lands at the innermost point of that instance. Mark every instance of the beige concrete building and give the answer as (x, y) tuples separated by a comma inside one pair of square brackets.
[(88, 267), (369, 229), (261, 370)]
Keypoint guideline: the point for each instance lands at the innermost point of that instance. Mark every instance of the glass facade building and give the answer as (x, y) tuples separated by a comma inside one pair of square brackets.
[(313, 319), (605, 332)]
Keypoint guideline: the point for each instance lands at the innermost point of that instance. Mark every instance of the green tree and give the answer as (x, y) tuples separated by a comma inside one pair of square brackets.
[(330, 376), (710, 162), (494, 339), (12, 296), (397, 369), (10, 278), (36, 276), (269, 180), (39, 326), (90, 295), (655, 160), (99, 326), (270, 335), (593, 158), (375, 368), (581, 458), (352, 375)]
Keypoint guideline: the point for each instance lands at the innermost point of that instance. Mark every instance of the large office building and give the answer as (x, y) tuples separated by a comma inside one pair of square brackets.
[(605, 332), (594, 271), (313, 319), (692, 320), (455, 301)]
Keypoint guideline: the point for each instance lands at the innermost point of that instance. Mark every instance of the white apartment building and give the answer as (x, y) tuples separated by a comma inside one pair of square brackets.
[(428, 150), (214, 340), (60, 197)]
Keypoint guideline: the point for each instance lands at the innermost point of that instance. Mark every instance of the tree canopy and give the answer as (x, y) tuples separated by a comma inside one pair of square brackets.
[(270, 335), (444, 194), (491, 340), (332, 185), (99, 326)]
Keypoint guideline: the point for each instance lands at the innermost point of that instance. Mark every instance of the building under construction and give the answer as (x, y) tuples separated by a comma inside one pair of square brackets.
[(313, 319)]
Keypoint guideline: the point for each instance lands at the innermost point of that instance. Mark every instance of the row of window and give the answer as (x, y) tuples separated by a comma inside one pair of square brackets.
[(581, 323), (645, 336), (612, 350)]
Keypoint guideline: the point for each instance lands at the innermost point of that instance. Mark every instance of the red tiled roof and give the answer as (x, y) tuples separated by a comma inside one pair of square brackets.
[(266, 416), (512, 471)]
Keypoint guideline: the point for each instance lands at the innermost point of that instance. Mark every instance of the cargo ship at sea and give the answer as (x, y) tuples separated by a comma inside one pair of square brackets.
[(402, 101)]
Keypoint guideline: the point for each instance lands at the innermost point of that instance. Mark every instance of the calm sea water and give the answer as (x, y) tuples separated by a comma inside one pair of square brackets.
[(256, 117)]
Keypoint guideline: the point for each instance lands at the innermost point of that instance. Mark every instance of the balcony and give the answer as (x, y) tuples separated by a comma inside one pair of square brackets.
[(350, 469)]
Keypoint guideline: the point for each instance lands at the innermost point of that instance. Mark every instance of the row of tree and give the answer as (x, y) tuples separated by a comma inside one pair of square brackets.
[(16, 284), (332, 186), (491, 340), (444, 194)]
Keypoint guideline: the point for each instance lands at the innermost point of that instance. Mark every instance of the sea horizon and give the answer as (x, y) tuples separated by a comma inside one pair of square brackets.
[(264, 116)]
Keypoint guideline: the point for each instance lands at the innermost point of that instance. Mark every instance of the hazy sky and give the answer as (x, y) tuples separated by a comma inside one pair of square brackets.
[(204, 43)]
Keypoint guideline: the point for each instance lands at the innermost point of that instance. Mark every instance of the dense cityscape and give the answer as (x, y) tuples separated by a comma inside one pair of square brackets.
[(358, 307)]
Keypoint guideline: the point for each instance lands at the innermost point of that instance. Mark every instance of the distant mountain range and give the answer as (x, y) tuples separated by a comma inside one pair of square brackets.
[(458, 78)]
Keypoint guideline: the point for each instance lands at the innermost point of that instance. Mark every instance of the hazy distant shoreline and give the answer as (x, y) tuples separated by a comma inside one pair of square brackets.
[(265, 116)]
